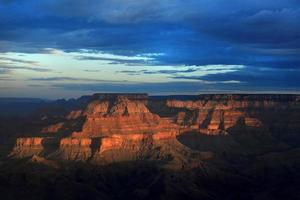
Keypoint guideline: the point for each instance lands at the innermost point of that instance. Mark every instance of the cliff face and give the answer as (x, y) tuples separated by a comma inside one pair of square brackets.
[(114, 127), (29, 146), (120, 115), (216, 117), (26, 147), (75, 149), (107, 128), (216, 114)]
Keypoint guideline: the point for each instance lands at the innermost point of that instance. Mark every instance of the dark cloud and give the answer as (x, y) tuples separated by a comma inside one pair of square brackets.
[(4, 71), (92, 70), (195, 87), (54, 79), (255, 33), (114, 60), (18, 60), (5, 78), (175, 71), (249, 78), (8, 68), (37, 85)]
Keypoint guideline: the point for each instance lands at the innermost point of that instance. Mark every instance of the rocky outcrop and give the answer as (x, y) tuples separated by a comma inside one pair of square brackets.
[(26, 147), (133, 142), (53, 128), (30, 146), (216, 117), (106, 149), (121, 115), (116, 127), (115, 147), (119, 141), (74, 114), (75, 149), (29, 142)]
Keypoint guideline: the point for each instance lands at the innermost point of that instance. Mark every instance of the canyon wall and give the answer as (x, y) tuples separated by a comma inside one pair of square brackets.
[(216, 114), (106, 128)]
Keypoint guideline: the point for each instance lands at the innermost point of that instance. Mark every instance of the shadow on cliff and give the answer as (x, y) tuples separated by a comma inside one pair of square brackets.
[(74, 126), (160, 108), (69, 126), (241, 140), (50, 145), (10, 129), (95, 145)]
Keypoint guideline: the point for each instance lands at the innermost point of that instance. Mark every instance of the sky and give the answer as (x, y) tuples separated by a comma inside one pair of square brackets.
[(68, 48)]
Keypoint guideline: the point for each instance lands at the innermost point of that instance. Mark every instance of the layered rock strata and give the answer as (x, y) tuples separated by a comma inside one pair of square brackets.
[(106, 149), (75, 149), (29, 146), (118, 127), (120, 115), (217, 117)]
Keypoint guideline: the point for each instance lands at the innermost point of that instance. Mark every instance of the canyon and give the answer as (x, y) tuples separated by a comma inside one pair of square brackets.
[(114, 125), (205, 134)]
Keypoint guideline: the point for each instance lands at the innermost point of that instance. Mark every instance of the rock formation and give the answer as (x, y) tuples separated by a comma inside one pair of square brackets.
[(105, 128), (75, 149), (216, 117), (131, 146), (26, 147), (29, 146), (117, 115)]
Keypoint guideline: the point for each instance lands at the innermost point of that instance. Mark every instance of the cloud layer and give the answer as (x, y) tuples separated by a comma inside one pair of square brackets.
[(263, 36)]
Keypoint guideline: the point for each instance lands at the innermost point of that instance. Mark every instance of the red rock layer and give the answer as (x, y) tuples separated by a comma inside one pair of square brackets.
[(216, 117), (53, 128), (75, 149), (121, 127), (26, 147), (121, 116), (29, 142), (107, 149), (132, 142), (75, 142)]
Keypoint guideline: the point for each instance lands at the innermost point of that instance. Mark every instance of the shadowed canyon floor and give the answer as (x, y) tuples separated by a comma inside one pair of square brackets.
[(132, 146)]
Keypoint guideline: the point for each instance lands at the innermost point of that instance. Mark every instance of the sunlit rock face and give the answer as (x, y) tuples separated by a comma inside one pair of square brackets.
[(29, 146), (26, 147), (119, 114), (75, 149), (53, 128), (106, 128), (216, 114), (115, 125)]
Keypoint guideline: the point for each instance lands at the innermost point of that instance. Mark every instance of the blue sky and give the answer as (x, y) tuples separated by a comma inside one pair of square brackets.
[(67, 48)]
